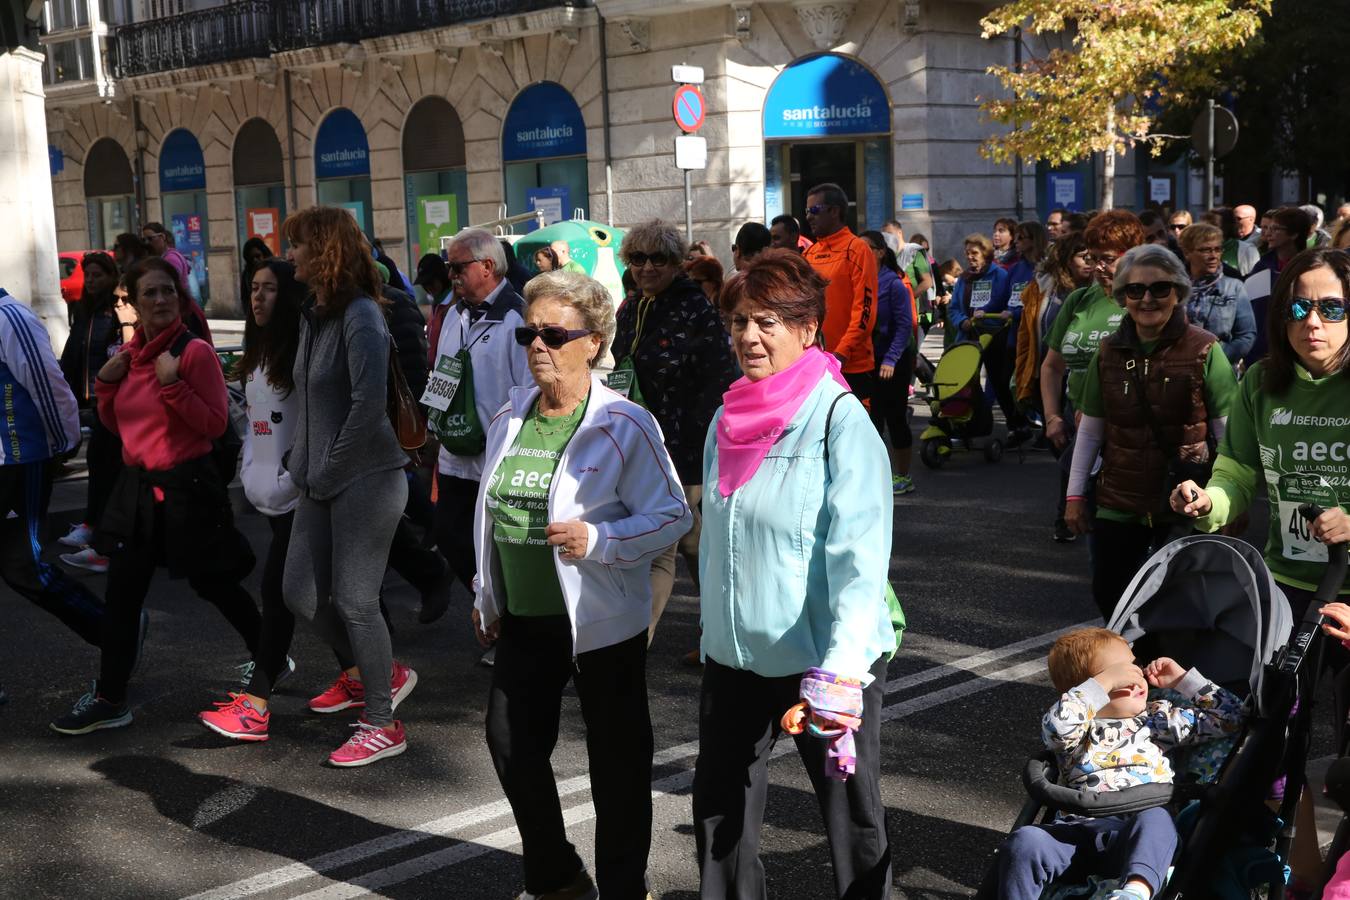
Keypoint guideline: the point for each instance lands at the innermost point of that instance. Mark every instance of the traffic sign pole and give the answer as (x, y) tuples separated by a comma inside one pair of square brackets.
[(1209, 155), (689, 109)]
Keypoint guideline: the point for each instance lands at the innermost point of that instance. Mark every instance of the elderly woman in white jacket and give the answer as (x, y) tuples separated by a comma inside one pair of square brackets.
[(578, 497)]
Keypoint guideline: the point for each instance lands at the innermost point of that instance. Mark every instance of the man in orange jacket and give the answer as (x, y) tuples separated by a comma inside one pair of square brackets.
[(847, 262)]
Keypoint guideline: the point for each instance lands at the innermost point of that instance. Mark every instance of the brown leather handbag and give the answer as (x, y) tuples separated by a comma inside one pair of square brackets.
[(404, 413)]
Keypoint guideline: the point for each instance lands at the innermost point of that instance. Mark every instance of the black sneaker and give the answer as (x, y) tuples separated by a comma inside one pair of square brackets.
[(1017, 437), (1062, 533), (90, 713), (436, 600)]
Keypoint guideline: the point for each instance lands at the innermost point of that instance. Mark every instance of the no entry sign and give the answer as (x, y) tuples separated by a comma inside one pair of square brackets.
[(689, 108)]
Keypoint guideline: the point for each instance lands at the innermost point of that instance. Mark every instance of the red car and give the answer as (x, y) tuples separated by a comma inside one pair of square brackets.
[(72, 275)]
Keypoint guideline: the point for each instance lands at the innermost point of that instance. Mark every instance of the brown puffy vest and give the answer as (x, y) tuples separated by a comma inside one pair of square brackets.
[(1134, 475)]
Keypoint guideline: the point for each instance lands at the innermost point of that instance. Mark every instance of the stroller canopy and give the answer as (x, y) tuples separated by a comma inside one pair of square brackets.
[(1208, 602)]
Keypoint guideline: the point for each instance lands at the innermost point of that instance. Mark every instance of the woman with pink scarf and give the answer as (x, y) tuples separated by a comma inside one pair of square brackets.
[(794, 555)]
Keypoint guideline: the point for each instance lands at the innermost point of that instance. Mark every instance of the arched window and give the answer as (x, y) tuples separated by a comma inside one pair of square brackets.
[(435, 181)]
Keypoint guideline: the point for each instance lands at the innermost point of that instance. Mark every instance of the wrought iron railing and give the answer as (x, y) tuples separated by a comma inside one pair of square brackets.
[(245, 29)]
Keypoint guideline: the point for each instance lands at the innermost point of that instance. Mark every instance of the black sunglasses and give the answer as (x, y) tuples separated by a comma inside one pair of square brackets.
[(1329, 309), (637, 259), (553, 336), (1135, 290), (1177, 226), (457, 268)]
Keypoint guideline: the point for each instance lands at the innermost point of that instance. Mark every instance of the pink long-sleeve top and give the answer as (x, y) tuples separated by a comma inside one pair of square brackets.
[(162, 426)]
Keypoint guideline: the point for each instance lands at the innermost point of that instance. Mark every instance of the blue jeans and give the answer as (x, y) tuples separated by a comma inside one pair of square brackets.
[(1139, 846)]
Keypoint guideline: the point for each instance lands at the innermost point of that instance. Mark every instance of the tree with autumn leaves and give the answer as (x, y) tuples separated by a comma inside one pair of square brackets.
[(1115, 64)]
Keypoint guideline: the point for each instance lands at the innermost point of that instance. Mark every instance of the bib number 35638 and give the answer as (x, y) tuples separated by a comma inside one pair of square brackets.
[(442, 383), (1296, 532)]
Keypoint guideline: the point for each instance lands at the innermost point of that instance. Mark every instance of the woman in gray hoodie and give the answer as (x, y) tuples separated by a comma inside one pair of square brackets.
[(347, 465)]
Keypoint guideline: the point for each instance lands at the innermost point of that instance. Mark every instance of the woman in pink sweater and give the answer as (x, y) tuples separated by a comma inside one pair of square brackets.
[(164, 395)]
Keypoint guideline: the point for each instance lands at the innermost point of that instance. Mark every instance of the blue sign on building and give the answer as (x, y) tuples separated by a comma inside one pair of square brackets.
[(826, 95), (56, 159), (181, 167), (543, 122), (340, 148)]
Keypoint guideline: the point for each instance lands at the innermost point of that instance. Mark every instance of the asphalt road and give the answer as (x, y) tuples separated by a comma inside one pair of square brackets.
[(164, 809)]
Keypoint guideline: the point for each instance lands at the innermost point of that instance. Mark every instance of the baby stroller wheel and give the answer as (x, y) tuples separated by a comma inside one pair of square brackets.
[(931, 452), (993, 451)]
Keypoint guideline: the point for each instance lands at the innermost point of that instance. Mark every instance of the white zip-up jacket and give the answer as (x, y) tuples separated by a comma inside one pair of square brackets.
[(272, 417), (498, 363), (615, 476)]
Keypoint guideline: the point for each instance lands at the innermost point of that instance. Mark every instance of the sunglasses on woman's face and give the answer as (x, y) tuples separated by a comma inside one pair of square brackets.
[(638, 260), (1329, 309), (553, 336), (1160, 290)]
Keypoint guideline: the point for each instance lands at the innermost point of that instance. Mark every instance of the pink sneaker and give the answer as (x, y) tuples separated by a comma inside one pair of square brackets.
[(344, 693), (402, 680), (369, 743), (237, 719)]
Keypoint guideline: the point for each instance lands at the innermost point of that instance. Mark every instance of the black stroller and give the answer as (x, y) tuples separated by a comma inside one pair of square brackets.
[(1209, 602)]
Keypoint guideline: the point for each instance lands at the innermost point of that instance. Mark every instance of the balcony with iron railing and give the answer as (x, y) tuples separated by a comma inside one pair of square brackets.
[(247, 29)]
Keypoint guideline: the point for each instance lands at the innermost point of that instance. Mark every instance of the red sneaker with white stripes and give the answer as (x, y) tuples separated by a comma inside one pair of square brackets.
[(370, 743)]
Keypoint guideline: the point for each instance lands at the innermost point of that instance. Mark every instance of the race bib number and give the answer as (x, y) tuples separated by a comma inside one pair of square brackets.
[(621, 381), (980, 295), (1295, 490), (442, 383), (1015, 299)]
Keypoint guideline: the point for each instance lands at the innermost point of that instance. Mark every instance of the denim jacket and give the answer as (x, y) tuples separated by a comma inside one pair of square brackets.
[(793, 564), (1221, 307)]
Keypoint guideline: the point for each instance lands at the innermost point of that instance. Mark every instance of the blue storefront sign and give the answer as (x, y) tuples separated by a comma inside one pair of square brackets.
[(181, 167), (824, 96), (340, 148), (543, 122), (552, 200)]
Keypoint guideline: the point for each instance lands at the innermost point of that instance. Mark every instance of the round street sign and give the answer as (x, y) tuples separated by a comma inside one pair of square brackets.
[(689, 108), (1225, 133)]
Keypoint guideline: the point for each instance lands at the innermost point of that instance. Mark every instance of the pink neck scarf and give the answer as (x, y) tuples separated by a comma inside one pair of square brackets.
[(754, 414)]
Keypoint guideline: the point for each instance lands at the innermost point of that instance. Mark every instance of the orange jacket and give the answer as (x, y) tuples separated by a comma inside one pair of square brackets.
[(846, 261)]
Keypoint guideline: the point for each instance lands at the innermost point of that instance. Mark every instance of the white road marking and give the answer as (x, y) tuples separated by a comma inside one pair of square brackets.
[(662, 788), (508, 837)]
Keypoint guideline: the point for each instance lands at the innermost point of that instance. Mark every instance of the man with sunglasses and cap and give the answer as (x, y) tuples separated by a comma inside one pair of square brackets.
[(475, 364)]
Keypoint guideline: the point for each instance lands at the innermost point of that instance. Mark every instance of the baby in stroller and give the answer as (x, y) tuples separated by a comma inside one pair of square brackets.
[(1107, 736)]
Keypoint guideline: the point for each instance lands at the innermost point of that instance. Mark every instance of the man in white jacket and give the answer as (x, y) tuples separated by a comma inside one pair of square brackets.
[(485, 314), (39, 423)]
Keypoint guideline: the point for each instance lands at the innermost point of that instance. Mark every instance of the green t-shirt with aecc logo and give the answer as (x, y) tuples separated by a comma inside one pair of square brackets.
[(1299, 443), (517, 500), (1088, 315)]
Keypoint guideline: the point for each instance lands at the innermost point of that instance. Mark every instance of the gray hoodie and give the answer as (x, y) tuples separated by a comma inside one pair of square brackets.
[(341, 371)]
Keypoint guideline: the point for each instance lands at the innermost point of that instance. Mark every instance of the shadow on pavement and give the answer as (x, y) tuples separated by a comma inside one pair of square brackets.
[(253, 816)]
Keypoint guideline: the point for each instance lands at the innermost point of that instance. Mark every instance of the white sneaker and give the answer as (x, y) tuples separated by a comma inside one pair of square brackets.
[(80, 535), (86, 559)]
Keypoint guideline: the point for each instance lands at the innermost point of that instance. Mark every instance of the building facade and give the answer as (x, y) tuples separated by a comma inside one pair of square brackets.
[(423, 116)]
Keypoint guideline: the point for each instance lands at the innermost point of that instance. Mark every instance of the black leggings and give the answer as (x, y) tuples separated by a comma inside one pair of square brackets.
[(890, 401), (104, 456), (129, 576), (999, 361), (278, 624)]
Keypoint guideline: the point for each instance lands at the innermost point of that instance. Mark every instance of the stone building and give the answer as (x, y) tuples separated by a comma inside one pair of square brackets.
[(422, 116)]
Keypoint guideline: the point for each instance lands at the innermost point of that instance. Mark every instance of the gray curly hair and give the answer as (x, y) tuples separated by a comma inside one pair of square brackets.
[(587, 296), (656, 236)]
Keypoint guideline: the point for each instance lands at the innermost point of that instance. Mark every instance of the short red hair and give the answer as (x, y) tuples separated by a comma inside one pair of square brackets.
[(705, 268), (1072, 656), (1117, 229), (782, 282)]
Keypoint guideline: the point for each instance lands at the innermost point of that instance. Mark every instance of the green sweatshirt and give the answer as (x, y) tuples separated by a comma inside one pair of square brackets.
[(1301, 442), (1088, 315)]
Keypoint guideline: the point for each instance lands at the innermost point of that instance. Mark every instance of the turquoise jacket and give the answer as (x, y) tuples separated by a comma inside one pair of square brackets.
[(793, 565)]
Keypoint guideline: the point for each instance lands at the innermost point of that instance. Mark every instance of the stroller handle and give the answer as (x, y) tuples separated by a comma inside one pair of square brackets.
[(1334, 576)]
